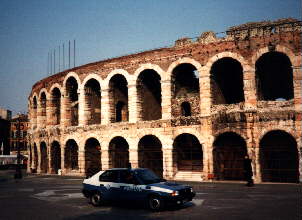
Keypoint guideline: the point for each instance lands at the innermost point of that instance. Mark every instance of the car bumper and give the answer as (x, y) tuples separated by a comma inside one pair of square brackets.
[(180, 199)]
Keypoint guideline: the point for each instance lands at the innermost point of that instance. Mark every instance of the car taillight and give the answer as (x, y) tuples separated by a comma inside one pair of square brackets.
[(175, 193)]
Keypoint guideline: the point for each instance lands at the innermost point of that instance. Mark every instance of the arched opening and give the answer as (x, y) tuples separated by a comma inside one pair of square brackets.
[(226, 81), (150, 154), (186, 109), (92, 156), (185, 88), (119, 153), (149, 95), (44, 158), (71, 155), (187, 153), (93, 102), (43, 109), (72, 102), (56, 106), (274, 77), (55, 156), (34, 112), (279, 157), (229, 150), (118, 93)]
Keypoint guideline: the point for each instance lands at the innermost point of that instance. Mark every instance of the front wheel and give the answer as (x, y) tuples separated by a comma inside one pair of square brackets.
[(96, 199), (155, 203)]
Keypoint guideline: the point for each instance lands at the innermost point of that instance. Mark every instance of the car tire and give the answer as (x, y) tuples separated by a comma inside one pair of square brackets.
[(155, 203), (96, 199)]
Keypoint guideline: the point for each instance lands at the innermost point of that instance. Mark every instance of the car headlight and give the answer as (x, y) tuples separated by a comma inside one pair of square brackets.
[(191, 189), (175, 193)]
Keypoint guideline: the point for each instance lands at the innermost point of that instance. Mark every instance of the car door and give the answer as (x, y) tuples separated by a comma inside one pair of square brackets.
[(129, 187), (109, 185)]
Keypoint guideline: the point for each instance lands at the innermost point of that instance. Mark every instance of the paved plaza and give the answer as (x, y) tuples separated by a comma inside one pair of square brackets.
[(58, 197)]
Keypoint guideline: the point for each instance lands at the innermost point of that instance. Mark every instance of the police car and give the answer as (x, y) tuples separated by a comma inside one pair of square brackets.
[(142, 185)]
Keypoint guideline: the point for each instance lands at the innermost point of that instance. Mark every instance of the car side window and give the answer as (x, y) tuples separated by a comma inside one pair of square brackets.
[(109, 176), (128, 177)]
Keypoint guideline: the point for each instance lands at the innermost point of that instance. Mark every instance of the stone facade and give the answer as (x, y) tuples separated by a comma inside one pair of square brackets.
[(189, 112)]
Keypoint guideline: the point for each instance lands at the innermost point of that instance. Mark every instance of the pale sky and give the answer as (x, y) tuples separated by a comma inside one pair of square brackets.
[(103, 29)]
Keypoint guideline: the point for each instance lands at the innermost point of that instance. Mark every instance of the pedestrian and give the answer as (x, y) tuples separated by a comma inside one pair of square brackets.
[(248, 172)]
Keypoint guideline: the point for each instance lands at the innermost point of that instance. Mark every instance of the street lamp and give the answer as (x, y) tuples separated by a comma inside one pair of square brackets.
[(18, 174)]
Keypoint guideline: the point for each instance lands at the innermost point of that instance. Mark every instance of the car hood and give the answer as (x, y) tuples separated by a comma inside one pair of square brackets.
[(169, 185)]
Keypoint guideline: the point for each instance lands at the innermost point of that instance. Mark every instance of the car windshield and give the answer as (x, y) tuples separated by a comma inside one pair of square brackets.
[(147, 176)]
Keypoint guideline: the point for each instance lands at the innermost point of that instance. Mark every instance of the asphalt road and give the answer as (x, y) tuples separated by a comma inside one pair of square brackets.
[(57, 197)]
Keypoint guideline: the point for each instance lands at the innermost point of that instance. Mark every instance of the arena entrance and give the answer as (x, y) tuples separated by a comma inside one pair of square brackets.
[(228, 154), (187, 153), (44, 159), (118, 153), (279, 157), (55, 156), (71, 155), (150, 154), (92, 157)]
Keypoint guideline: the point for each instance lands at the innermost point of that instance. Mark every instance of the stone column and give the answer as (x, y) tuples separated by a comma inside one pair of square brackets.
[(81, 161), (63, 169), (49, 113), (256, 166), (168, 170), (249, 88), (133, 103), (39, 158), (205, 91), (166, 95), (105, 111), (65, 113), (297, 83), (133, 156), (82, 108), (105, 157), (49, 165)]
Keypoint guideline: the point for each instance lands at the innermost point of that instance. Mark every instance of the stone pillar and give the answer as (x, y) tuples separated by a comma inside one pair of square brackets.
[(49, 165), (81, 161), (133, 156), (39, 158), (105, 110), (249, 88), (297, 83), (205, 91), (256, 166), (65, 113), (82, 108), (50, 120), (133, 104), (105, 157), (168, 170), (63, 169), (166, 95)]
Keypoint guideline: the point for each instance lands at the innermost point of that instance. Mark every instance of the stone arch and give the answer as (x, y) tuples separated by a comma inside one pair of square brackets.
[(89, 77), (150, 154), (118, 98), (93, 162), (278, 157), (226, 81), (92, 104), (229, 150), (55, 154), (274, 76), (187, 153), (71, 74), (44, 157), (55, 95), (149, 95), (185, 86), (278, 48), (71, 99), (71, 155), (118, 152), (190, 131), (149, 66), (114, 72)]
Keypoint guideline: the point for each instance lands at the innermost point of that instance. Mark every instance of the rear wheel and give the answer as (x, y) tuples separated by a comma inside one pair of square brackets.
[(155, 203), (96, 199)]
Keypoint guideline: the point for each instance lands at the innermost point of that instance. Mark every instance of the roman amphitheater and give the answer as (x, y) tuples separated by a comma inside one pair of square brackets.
[(191, 111)]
